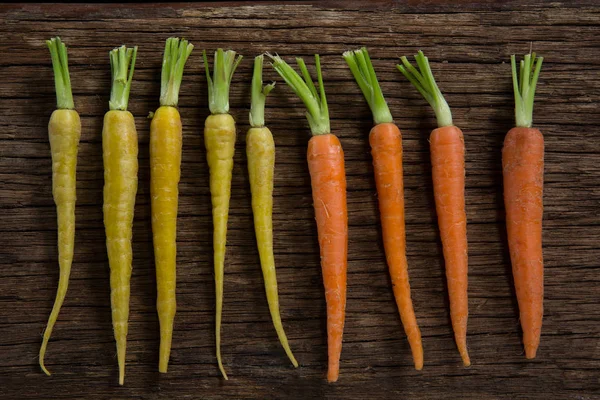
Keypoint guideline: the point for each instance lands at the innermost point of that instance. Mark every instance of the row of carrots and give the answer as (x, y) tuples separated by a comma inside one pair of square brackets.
[(522, 163)]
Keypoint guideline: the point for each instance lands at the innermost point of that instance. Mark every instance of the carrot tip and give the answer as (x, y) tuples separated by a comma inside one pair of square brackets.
[(45, 370), (121, 374), (418, 358), (42, 354), (222, 369), (332, 376), (165, 352), (465, 359), (530, 352)]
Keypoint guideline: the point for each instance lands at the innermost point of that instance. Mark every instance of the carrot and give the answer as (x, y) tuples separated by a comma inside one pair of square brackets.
[(219, 140), (165, 170), (64, 131), (448, 173), (523, 172), (260, 150), (386, 149), (120, 151), (328, 179)]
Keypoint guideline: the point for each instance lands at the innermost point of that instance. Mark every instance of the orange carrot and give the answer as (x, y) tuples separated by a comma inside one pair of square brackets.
[(448, 174), (386, 148), (328, 179), (523, 171)]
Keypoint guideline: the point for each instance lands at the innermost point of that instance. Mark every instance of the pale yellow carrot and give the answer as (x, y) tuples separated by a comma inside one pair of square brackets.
[(165, 171), (120, 151), (64, 131), (219, 140), (260, 150)]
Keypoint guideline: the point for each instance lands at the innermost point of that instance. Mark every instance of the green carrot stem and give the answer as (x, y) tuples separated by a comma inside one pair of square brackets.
[(218, 86), (364, 73), (62, 80), (315, 101), (176, 54), (259, 94), (122, 64), (524, 87), (423, 80)]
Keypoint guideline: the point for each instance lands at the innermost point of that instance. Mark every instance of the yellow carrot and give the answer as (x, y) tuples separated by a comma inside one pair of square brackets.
[(64, 131), (219, 140), (165, 170), (120, 151), (260, 150)]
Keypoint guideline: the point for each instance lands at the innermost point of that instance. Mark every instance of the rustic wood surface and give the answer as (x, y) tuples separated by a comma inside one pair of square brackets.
[(469, 45)]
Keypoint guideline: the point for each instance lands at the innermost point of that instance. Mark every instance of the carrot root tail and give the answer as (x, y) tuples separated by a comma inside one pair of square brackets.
[(218, 327), (460, 337), (418, 359), (42, 354), (464, 354), (121, 349), (530, 351), (333, 373), (282, 337), (218, 334), (63, 282), (220, 363), (166, 337)]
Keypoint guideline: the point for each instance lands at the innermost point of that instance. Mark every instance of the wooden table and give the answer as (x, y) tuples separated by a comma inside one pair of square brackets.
[(469, 45)]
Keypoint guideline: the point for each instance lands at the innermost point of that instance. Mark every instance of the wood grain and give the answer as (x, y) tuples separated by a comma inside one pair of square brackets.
[(469, 44)]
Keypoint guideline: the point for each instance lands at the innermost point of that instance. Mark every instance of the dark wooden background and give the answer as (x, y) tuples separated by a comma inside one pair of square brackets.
[(469, 45)]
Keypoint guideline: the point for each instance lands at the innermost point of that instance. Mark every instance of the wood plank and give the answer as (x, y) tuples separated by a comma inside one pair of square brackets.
[(468, 42)]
